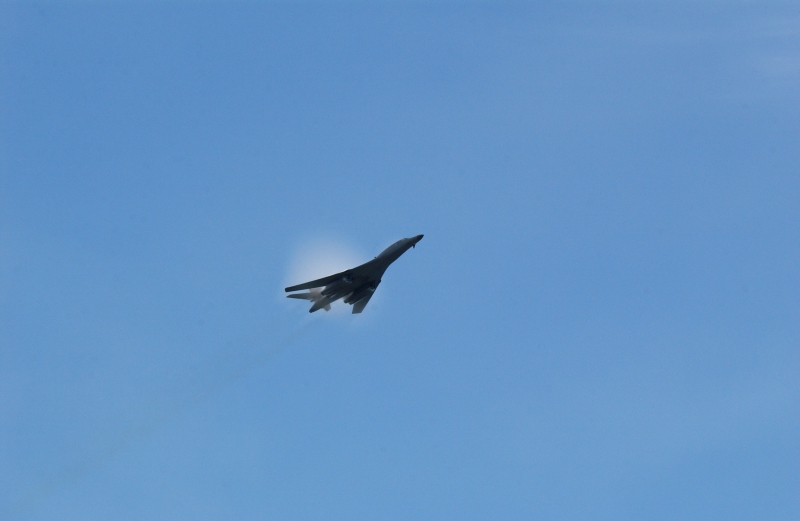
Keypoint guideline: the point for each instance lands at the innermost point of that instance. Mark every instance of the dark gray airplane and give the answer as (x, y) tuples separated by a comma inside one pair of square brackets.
[(356, 285)]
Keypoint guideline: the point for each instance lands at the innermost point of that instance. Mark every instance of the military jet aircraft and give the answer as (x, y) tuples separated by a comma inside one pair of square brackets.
[(356, 285)]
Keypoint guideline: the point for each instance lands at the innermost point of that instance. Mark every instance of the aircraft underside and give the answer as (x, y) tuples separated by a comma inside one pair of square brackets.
[(322, 299), (356, 285)]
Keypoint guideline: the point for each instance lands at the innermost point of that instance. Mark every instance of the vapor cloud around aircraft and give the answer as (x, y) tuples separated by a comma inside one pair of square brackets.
[(356, 285)]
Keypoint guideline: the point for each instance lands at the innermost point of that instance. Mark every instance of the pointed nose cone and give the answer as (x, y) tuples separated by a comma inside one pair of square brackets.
[(416, 239)]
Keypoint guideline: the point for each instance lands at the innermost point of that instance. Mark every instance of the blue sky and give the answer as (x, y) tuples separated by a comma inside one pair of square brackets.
[(600, 323)]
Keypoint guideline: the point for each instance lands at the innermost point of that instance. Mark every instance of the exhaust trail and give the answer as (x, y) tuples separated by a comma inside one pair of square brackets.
[(257, 358)]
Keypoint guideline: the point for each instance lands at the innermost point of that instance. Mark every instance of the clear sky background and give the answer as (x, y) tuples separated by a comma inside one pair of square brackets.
[(602, 321)]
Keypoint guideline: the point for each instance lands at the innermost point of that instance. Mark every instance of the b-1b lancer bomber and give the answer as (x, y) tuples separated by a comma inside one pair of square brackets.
[(355, 285)]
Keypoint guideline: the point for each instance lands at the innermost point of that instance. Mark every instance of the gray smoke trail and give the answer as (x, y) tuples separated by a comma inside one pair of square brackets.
[(257, 358)]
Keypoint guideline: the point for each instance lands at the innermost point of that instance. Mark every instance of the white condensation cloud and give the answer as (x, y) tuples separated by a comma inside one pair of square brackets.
[(319, 257)]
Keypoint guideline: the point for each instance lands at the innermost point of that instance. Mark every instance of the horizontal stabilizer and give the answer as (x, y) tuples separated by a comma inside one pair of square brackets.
[(304, 296), (322, 303), (313, 296), (359, 306)]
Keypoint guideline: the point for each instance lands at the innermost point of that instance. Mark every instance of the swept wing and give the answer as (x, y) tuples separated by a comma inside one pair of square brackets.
[(357, 285), (324, 281)]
